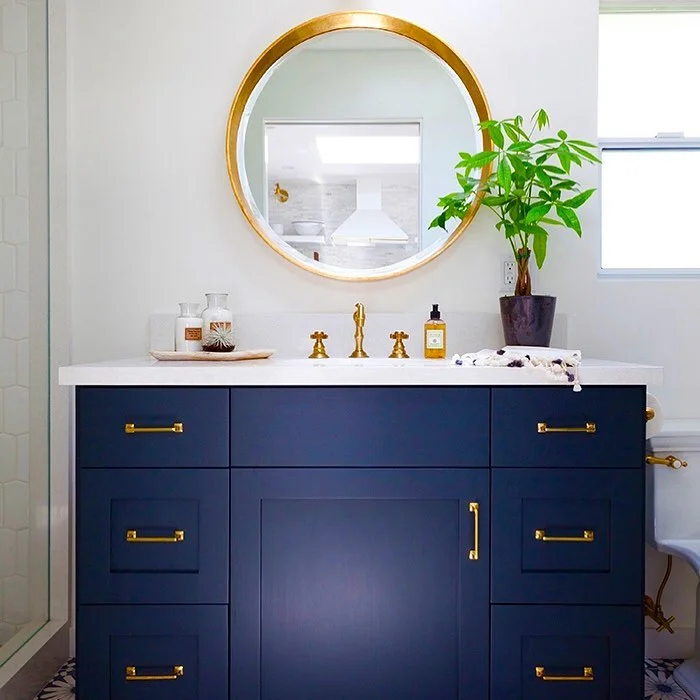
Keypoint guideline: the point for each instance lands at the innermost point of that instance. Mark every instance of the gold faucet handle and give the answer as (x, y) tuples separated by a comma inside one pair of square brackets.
[(399, 350), (319, 351)]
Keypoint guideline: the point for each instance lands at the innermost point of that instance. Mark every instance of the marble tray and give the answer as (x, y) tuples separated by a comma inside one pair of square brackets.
[(169, 355)]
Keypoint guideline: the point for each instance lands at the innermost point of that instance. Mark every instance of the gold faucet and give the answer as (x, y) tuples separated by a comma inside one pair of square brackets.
[(359, 318)]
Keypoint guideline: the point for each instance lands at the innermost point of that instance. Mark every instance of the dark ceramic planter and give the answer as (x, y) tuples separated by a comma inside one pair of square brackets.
[(528, 320)]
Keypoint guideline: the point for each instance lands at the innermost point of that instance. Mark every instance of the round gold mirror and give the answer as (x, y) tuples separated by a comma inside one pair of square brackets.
[(343, 135)]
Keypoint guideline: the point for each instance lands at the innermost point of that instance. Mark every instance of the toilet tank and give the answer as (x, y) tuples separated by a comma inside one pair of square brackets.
[(673, 495)]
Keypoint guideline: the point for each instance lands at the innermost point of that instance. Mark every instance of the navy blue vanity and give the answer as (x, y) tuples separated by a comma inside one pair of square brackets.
[(360, 543)]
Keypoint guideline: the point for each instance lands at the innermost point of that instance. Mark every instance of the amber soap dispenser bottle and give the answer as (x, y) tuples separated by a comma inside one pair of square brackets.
[(435, 336)]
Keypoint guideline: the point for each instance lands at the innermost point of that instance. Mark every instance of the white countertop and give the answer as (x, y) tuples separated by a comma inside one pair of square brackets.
[(339, 372)]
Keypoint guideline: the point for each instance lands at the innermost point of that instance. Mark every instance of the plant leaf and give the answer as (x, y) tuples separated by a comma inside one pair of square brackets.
[(493, 201), (511, 132), (542, 119), (562, 135), (585, 144), (584, 153), (537, 212), (543, 177), (439, 221), (496, 135), (565, 160), (504, 175), (520, 146), (518, 166), (479, 160), (539, 246), (578, 200), (568, 216), (550, 222)]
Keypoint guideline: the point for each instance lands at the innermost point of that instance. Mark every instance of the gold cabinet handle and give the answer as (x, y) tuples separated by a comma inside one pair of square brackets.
[(670, 461), (132, 675), (588, 536), (474, 553), (587, 675), (588, 428), (131, 429), (177, 536)]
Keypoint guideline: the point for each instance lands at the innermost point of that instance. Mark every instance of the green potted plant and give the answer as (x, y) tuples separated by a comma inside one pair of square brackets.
[(529, 186)]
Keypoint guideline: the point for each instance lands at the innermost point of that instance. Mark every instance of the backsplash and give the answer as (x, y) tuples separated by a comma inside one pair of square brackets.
[(288, 333)]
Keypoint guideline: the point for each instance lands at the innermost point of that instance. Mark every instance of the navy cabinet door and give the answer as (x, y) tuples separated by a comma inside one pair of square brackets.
[(359, 584)]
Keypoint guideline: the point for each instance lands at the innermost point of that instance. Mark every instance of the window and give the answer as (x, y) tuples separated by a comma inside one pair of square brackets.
[(649, 129)]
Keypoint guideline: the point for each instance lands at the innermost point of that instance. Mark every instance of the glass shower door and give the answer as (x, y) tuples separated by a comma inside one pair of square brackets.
[(24, 338)]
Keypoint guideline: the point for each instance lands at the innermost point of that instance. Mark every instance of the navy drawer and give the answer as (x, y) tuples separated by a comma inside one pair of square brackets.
[(104, 413), (596, 651), (360, 426), (183, 649), (120, 514), (527, 422), (540, 516)]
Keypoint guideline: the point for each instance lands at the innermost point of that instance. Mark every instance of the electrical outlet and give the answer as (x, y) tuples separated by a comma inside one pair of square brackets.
[(508, 274)]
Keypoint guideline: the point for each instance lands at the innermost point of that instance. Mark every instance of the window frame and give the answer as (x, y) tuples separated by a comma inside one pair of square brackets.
[(661, 141)]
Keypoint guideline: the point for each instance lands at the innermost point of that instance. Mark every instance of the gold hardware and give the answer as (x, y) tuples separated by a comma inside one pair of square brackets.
[(359, 318), (474, 553), (177, 536), (319, 351), (588, 536), (399, 350), (130, 428), (670, 461), (587, 675), (321, 26), (653, 608), (131, 675), (650, 414), (544, 428), (280, 194)]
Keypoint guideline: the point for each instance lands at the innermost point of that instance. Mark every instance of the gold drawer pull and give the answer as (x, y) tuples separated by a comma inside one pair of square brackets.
[(544, 428), (177, 536), (130, 429), (131, 675), (474, 553), (588, 536), (587, 675)]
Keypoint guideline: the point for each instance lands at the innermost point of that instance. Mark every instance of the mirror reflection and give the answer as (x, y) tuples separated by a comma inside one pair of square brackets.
[(345, 145)]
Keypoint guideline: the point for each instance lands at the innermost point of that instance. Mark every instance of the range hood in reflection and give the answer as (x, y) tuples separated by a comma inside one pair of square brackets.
[(368, 224)]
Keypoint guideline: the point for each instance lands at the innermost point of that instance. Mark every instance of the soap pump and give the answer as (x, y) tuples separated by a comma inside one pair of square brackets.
[(435, 336)]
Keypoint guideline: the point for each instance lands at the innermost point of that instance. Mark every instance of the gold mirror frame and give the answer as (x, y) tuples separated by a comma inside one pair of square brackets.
[(317, 27)]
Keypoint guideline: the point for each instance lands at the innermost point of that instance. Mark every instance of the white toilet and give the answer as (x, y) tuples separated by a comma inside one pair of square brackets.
[(673, 522)]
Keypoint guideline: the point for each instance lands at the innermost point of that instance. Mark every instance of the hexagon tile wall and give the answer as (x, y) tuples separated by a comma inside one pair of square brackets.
[(14, 321)]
